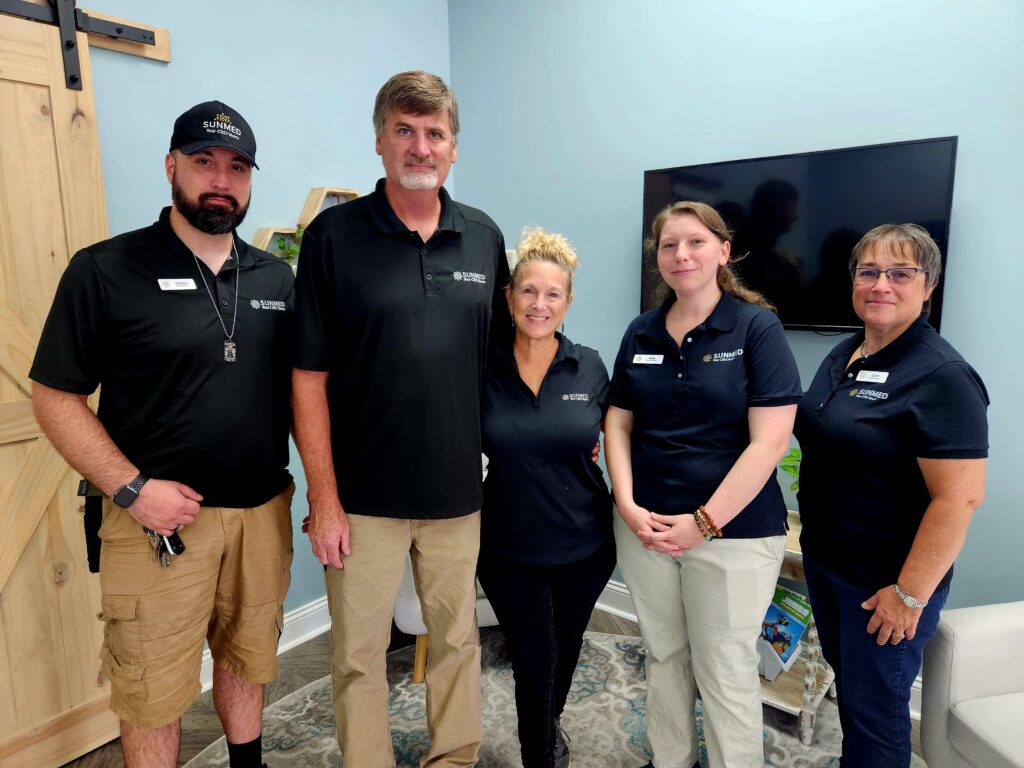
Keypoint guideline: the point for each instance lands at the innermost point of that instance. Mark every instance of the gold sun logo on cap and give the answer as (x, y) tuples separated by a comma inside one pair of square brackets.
[(223, 118)]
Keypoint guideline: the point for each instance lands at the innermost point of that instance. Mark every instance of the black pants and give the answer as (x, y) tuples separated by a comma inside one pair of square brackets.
[(543, 611)]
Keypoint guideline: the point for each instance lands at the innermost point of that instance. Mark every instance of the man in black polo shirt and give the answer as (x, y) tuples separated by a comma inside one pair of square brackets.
[(396, 294), (188, 330)]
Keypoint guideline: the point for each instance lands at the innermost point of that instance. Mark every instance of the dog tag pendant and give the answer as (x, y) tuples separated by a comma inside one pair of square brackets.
[(229, 352)]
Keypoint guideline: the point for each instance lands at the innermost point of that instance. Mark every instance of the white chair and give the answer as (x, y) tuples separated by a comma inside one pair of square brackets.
[(972, 707), (409, 617)]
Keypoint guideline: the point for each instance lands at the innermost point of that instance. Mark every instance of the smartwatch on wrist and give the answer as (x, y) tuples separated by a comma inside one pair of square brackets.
[(908, 600), (127, 494)]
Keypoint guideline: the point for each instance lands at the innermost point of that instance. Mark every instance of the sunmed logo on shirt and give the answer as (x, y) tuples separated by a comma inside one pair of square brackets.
[(470, 277), (869, 394), (268, 304), (581, 396), (723, 357)]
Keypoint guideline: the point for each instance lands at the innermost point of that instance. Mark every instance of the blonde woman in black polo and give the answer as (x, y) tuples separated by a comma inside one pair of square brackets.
[(546, 547), (701, 408)]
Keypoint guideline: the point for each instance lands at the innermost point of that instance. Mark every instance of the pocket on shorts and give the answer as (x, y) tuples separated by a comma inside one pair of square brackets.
[(120, 615), (125, 676), (120, 655), (118, 524)]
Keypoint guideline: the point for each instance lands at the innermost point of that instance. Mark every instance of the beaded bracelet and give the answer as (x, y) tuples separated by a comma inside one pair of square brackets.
[(702, 516), (702, 527)]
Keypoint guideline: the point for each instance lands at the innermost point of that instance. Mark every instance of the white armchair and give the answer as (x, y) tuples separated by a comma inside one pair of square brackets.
[(409, 617), (972, 713)]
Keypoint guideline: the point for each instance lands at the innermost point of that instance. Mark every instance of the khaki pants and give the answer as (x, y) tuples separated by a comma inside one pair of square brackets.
[(361, 597), (700, 615)]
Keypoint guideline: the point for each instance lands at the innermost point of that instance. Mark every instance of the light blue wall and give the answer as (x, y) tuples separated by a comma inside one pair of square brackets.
[(565, 104), (304, 75)]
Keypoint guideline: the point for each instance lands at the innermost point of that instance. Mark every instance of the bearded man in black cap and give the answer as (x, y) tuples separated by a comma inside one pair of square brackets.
[(188, 330)]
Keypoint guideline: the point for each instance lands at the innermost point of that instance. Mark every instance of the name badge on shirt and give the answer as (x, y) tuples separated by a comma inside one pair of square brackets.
[(176, 284), (648, 359), (876, 377)]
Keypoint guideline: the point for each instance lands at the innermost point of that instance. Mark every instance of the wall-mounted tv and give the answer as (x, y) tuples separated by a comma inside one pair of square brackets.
[(797, 217)]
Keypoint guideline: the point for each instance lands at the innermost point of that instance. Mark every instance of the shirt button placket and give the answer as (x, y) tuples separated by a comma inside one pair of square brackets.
[(428, 277)]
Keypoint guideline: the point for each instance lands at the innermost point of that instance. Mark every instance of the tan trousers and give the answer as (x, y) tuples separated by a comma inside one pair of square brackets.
[(361, 598), (700, 615)]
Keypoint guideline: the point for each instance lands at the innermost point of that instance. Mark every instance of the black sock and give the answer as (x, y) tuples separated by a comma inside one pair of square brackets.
[(248, 755)]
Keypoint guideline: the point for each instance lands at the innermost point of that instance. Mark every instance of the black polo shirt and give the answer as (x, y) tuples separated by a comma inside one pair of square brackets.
[(169, 401), (545, 500), (402, 326), (862, 429), (690, 405)]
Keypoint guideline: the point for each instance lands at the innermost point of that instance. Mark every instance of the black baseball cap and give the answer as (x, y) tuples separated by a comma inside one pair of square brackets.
[(213, 124)]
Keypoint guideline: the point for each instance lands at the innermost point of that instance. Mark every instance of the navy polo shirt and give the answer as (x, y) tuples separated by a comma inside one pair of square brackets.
[(862, 429), (402, 326), (545, 500), (168, 400), (690, 403)]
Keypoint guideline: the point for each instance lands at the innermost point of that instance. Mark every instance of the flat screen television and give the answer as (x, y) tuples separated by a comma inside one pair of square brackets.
[(796, 218)]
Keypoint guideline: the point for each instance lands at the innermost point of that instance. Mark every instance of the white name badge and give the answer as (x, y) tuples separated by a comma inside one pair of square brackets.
[(875, 377), (648, 359), (176, 284)]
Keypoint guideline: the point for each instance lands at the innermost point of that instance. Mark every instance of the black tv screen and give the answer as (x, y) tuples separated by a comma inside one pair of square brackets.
[(796, 219)]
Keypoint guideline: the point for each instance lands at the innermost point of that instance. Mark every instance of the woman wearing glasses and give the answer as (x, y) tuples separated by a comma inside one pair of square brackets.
[(894, 437)]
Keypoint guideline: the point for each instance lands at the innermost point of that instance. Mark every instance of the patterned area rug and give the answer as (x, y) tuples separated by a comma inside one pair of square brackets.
[(604, 717)]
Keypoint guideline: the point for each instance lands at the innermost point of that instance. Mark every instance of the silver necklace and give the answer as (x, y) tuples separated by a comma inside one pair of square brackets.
[(863, 350), (230, 348)]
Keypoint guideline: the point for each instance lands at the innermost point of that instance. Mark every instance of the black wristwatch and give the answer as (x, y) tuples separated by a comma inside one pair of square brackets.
[(127, 494)]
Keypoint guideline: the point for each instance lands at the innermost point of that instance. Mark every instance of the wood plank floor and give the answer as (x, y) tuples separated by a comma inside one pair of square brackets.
[(300, 666)]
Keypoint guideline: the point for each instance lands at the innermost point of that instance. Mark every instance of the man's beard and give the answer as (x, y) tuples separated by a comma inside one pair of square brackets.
[(211, 219), (419, 181)]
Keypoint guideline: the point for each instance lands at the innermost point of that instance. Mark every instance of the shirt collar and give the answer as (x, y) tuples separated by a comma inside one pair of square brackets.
[(887, 356), (387, 220), (722, 317), (246, 258), (566, 350)]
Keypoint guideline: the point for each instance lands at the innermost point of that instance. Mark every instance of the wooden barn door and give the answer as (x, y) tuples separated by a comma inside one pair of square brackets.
[(53, 702)]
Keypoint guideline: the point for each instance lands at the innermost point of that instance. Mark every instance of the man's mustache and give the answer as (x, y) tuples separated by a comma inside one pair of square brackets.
[(208, 195)]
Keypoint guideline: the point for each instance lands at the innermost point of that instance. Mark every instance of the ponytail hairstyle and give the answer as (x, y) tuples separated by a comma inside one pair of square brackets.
[(540, 245)]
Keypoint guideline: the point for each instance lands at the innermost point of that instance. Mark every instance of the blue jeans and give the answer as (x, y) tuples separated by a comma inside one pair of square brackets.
[(873, 681)]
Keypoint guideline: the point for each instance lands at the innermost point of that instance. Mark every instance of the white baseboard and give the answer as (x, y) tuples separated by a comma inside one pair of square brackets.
[(302, 624), (615, 600)]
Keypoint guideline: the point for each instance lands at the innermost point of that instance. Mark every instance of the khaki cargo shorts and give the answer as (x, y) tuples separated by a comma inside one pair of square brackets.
[(227, 588)]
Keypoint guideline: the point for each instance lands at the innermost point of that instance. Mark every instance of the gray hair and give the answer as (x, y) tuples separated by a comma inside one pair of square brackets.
[(416, 93)]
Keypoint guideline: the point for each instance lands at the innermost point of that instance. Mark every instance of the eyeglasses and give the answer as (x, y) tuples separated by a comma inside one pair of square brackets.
[(897, 275)]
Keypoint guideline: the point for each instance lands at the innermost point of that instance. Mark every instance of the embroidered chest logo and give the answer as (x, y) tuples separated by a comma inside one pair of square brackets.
[(582, 397), (869, 394), (268, 304), (723, 357), (470, 277)]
